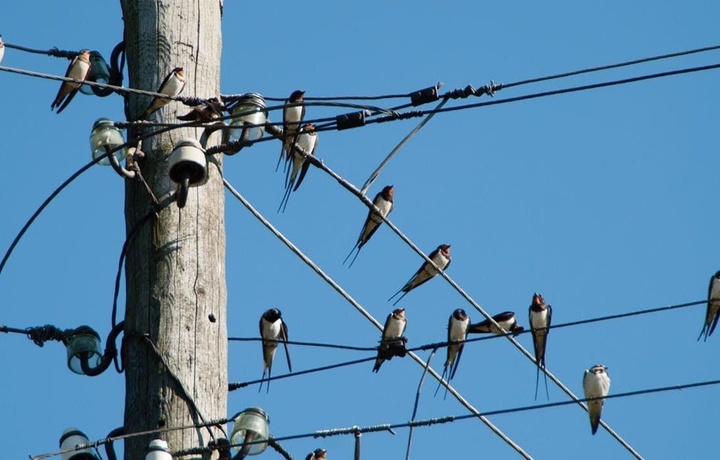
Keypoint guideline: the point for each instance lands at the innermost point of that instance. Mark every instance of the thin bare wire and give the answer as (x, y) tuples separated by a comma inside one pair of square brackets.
[(417, 403), (387, 159), (382, 427), (367, 315), (352, 189)]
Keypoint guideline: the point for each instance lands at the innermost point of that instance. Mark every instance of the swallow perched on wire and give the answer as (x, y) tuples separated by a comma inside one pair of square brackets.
[(392, 342), (384, 202), (293, 115), (2, 49), (79, 69), (307, 140), (205, 112), (596, 384), (441, 258), (457, 333), (540, 317), (713, 306), (317, 454), (506, 320), (272, 330), (172, 85)]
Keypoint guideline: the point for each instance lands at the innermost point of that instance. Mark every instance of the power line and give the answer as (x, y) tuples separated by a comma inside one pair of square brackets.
[(378, 120), (455, 418), (430, 346), (352, 189), (111, 439), (305, 344), (367, 315), (612, 66), (237, 385), (573, 89), (67, 182), (386, 426)]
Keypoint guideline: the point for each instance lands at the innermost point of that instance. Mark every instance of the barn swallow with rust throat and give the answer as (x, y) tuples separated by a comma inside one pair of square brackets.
[(441, 258), (272, 330), (392, 342), (79, 69), (384, 202), (540, 318), (172, 86), (456, 335), (308, 141), (293, 115)]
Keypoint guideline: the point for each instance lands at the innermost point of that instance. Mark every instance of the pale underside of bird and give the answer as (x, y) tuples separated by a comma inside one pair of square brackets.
[(293, 115), (384, 202), (596, 384), (79, 69), (273, 330), (2, 49), (540, 317), (172, 86), (441, 258), (713, 307), (392, 342), (457, 334), (307, 140)]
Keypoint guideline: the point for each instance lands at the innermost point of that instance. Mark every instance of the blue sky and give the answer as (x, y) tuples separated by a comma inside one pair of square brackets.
[(603, 201)]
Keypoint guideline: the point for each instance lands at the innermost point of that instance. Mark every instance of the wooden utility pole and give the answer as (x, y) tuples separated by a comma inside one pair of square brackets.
[(175, 266)]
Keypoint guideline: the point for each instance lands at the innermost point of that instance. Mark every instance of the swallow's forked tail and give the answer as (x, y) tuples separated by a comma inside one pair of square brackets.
[(399, 298), (267, 372), (442, 378), (537, 383), (351, 253)]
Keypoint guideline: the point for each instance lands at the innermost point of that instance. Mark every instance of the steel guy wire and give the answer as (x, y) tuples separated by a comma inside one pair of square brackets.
[(68, 181), (370, 180), (352, 189), (367, 315), (388, 426)]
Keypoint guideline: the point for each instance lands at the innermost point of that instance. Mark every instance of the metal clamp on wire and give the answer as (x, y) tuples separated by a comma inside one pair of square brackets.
[(426, 95), (351, 120)]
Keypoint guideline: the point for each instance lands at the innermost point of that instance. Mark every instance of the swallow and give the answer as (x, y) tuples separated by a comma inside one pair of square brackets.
[(596, 384), (79, 69), (506, 320), (713, 307), (317, 454), (441, 258), (457, 333), (272, 330), (205, 112), (293, 114), (540, 317), (308, 141), (393, 341), (172, 85), (2, 49), (384, 202)]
